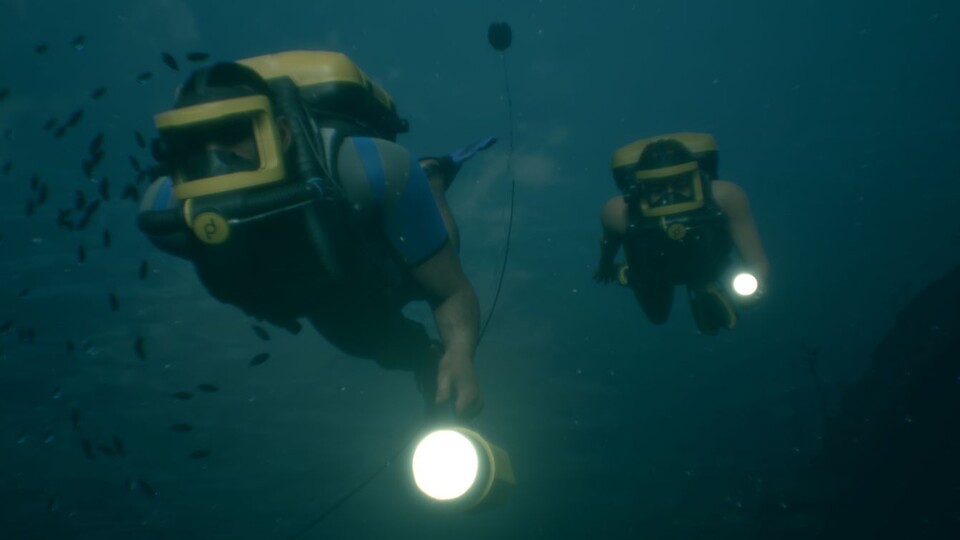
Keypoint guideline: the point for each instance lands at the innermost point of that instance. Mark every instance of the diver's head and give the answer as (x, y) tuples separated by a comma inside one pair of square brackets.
[(222, 134), (667, 179)]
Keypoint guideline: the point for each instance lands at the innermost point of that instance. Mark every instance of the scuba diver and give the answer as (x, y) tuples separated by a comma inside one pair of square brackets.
[(677, 224), (279, 179)]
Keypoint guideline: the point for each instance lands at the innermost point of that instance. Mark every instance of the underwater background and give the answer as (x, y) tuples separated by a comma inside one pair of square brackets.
[(129, 407)]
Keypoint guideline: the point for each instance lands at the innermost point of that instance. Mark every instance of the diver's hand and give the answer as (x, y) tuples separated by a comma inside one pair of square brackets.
[(457, 376), (605, 272)]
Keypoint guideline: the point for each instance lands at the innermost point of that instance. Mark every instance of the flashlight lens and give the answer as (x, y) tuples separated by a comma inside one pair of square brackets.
[(745, 284), (445, 465)]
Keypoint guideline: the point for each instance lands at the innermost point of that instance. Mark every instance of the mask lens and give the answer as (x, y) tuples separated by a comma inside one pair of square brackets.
[(214, 148)]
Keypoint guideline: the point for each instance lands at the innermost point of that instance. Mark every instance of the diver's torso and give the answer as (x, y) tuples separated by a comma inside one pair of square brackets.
[(692, 247)]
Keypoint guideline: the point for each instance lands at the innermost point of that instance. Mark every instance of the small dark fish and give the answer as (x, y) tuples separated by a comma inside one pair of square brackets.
[(63, 219), (87, 448), (144, 77), (141, 142), (182, 428), (207, 387), (31, 206), (170, 61), (23, 292), (182, 395), (42, 194), (114, 302), (139, 349), (144, 269), (35, 181), (78, 43), (197, 56), (71, 347), (199, 454), (79, 200), (7, 167), (50, 123), (261, 332), (4, 92), (99, 92), (75, 118), (106, 238), (41, 48), (119, 446), (106, 449), (97, 143), (60, 132), (130, 193), (81, 253), (57, 392), (259, 359), (146, 488), (88, 213), (135, 163), (6, 326), (103, 189)]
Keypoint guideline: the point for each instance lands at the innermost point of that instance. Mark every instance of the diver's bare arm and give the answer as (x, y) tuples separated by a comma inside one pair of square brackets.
[(733, 201), (456, 311)]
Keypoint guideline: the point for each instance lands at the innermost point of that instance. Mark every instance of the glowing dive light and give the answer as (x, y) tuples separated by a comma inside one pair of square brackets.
[(457, 466), (745, 284)]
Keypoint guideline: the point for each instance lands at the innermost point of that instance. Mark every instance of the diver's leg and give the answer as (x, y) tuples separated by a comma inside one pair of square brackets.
[(392, 341), (654, 295)]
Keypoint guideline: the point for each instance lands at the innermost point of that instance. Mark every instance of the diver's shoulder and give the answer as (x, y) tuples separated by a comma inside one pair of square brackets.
[(728, 195)]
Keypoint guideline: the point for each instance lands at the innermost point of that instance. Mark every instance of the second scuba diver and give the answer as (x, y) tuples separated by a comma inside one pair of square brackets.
[(677, 224)]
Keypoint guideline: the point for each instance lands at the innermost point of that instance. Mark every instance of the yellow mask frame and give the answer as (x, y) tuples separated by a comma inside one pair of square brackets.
[(667, 172), (265, 132)]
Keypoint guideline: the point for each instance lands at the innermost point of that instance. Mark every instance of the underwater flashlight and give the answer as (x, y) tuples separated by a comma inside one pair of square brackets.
[(457, 467), (745, 284)]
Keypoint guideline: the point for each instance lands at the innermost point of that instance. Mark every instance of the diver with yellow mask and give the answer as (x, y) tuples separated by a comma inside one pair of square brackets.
[(677, 224), (280, 180)]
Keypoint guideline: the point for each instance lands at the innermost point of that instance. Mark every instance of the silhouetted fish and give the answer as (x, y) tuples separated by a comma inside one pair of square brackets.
[(30, 207), (259, 359), (135, 163), (130, 193), (106, 238), (119, 446), (261, 332), (50, 123), (34, 181), (88, 213), (96, 143), (70, 346), (199, 454), (182, 428), (42, 194), (144, 269), (106, 449), (23, 292), (87, 448), (114, 302), (41, 48), (197, 56), (139, 349), (144, 77), (99, 92), (60, 132), (170, 61), (141, 142), (78, 43), (182, 395), (75, 118), (145, 488), (79, 200), (4, 92), (207, 387), (7, 167), (81, 253)]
